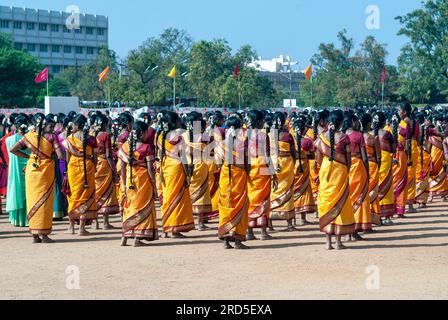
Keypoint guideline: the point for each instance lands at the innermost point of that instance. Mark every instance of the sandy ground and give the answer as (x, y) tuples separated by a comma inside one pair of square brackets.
[(406, 261)]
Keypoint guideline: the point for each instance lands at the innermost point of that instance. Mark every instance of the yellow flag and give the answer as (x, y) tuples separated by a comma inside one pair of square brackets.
[(173, 73), (104, 75), (308, 72)]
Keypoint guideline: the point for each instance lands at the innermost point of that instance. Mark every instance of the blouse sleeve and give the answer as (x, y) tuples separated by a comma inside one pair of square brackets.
[(91, 142), (362, 141), (307, 145)]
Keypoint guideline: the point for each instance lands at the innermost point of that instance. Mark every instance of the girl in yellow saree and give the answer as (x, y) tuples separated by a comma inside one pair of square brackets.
[(81, 155), (359, 175), (438, 178), (139, 215), (198, 169), (260, 176), (333, 153), (39, 176), (303, 195), (284, 158), (373, 148), (177, 209), (106, 175), (386, 188), (234, 200), (423, 165), (413, 156)]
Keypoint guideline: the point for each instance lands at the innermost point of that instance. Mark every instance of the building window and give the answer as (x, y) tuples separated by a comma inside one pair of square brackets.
[(101, 31), (55, 48), (42, 27), (89, 30), (67, 49), (4, 24), (66, 30), (29, 26), (78, 31), (31, 47), (54, 28), (79, 50), (56, 69), (18, 46), (17, 25), (90, 50), (43, 48)]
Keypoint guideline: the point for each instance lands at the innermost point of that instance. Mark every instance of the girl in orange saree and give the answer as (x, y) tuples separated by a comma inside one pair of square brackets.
[(333, 153), (106, 175), (125, 123), (438, 177), (198, 169), (303, 195), (260, 176), (81, 155), (423, 165), (373, 148), (177, 209), (386, 188), (284, 158), (401, 132), (137, 175), (39, 176), (234, 200)]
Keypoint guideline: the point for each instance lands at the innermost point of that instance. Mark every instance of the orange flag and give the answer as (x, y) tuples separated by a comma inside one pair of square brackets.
[(173, 73), (308, 72), (104, 75)]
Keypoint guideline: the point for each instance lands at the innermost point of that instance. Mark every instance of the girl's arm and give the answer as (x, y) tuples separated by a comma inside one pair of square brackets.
[(17, 150)]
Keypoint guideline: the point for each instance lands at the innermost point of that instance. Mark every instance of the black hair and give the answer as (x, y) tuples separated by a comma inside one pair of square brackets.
[(336, 119), (39, 123), (300, 128), (168, 123), (233, 123), (366, 119), (81, 122), (22, 123), (100, 123), (189, 122)]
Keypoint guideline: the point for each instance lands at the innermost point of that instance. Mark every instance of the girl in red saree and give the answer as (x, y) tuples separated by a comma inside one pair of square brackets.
[(333, 153), (39, 175), (81, 158), (359, 175), (137, 175), (106, 175)]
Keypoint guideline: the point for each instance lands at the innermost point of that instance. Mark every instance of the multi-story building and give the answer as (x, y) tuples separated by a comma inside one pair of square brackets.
[(280, 71), (52, 38)]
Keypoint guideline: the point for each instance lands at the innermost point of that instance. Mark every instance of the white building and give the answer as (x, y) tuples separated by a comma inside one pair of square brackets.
[(48, 36), (280, 64)]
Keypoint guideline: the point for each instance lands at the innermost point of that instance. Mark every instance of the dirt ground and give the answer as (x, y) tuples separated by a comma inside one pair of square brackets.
[(405, 261)]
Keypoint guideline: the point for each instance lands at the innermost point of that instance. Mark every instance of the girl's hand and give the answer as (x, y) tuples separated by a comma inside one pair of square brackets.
[(275, 182)]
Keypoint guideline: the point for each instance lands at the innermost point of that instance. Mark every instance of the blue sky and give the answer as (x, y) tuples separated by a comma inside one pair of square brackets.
[(272, 27)]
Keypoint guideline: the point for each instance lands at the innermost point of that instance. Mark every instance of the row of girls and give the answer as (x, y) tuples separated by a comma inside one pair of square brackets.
[(355, 168)]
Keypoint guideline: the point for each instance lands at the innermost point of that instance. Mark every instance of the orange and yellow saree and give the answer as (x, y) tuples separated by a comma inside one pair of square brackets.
[(438, 179), (334, 206), (40, 183), (423, 172), (303, 195), (314, 170), (81, 201), (374, 175), (386, 187), (139, 210), (400, 171)]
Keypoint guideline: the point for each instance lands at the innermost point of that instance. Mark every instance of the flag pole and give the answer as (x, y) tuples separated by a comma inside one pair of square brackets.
[(174, 92), (108, 94), (48, 88), (382, 97)]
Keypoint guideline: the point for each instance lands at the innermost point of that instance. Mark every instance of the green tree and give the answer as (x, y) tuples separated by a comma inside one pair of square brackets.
[(423, 61)]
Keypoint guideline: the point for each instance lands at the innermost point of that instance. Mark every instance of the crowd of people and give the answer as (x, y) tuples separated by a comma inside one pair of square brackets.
[(353, 169)]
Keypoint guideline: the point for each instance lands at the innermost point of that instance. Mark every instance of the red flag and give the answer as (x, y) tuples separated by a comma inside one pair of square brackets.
[(42, 76), (383, 74), (236, 71)]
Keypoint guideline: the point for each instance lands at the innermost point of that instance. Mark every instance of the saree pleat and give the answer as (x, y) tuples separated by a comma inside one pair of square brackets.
[(422, 177), (16, 197), (259, 193), (233, 214), (81, 202), (105, 188), (177, 209), (314, 171), (386, 187), (400, 174), (39, 185), (303, 195), (412, 173), (359, 195), (334, 206), (438, 180), (139, 210), (282, 199), (373, 184), (60, 200), (213, 183)]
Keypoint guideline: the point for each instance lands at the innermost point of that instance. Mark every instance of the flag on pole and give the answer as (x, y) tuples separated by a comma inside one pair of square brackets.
[(383, 74), (308, 72), (42, 76), (104, 75), (236, 71), (173, 73)]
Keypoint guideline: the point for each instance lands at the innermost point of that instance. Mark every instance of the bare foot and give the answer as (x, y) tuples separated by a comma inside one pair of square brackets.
[(340, 246), (291, 229), (84, 233), (266, 237), (164, 235), (36, 239), (357, 237), (46, 239), (70, 231), (124, 242), (178, 235), (251, 237), (138, 244), (240, 246), (329, 247), (227, 246), (203, 227)]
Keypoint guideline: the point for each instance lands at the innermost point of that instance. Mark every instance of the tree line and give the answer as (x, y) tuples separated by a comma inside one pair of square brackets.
[(344, 74)]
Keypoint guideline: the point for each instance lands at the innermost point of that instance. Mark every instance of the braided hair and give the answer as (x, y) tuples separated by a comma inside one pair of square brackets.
[(233, 123), (168, 122), (22, 123), (189, 124), (134, 137), (336, 119), (81, 122), (299, 128), (279, 122), (39, 122)]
